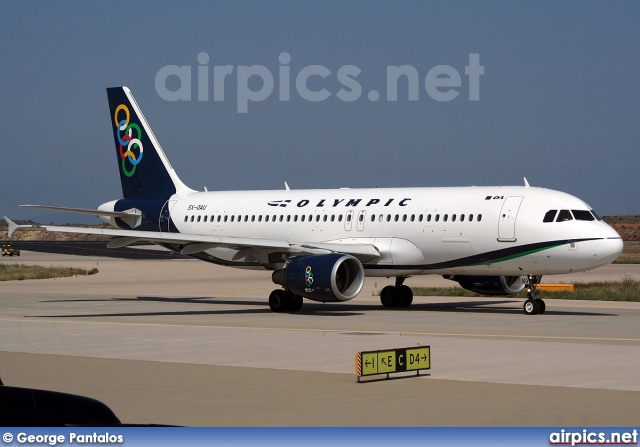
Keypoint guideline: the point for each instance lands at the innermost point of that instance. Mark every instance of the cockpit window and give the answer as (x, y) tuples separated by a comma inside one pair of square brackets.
[(551, 214), (582, 215), (596, 215), (564, 215)]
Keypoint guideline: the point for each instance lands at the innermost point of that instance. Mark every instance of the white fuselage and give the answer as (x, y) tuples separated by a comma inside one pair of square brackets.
[(461, 230)]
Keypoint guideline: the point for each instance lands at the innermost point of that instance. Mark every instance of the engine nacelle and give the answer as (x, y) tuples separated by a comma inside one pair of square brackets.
[(326, 278), (491, 285)]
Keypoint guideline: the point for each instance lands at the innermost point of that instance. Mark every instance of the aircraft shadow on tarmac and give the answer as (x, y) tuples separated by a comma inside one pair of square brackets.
[(316, 309)]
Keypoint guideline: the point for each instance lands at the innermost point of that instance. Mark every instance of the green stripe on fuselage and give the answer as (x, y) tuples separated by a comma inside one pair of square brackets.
[(519, 254)]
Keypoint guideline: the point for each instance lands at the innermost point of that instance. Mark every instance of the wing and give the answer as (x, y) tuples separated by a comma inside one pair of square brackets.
[(192, 244)]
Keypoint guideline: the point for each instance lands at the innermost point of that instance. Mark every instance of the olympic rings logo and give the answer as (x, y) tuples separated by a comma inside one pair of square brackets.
[(308, 276), (128, 141)]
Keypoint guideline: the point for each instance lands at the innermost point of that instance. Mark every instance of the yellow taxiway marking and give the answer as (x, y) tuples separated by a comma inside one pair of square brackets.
[(336, 331)]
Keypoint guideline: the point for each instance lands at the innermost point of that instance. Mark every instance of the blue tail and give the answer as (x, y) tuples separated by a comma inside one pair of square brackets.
[(145, 171)]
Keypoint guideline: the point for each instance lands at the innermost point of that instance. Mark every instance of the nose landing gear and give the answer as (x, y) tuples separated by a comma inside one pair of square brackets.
[(533, 305)]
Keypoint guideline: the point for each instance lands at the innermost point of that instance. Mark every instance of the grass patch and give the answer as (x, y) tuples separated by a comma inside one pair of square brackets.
[(630, 253), (19, 272), (626, 290)]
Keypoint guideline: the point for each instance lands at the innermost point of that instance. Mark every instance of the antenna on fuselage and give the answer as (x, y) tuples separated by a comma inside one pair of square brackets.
[(286, 186), (526, 183)]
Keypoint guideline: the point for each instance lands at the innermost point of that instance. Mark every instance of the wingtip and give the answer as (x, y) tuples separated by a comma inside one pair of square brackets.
[(12, 226)]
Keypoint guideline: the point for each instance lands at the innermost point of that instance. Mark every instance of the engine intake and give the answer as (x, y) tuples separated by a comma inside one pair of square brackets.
[(491, 285), (326, 278)]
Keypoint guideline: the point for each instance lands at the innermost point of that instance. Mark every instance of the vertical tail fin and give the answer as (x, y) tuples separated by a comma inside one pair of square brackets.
[(145, 171)]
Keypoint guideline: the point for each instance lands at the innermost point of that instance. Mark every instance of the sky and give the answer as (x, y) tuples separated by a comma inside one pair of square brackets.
[(495, 91)]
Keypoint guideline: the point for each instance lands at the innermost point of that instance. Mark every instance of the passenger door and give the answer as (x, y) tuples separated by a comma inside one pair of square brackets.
[(507, 220)]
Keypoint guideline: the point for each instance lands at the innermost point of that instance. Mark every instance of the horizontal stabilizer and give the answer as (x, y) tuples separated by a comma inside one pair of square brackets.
[(121, 214)]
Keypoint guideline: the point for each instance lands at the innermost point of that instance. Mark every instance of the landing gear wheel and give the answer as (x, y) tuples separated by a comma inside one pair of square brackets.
[(541, 306), (531, 307), (389, 296), (279, 301), (296, 303), (405, 297)]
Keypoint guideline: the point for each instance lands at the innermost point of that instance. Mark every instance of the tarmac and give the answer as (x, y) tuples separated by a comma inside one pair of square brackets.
[(182, 342)]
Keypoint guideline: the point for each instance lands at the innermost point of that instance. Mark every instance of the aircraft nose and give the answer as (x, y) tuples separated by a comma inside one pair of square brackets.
[(606, 246)]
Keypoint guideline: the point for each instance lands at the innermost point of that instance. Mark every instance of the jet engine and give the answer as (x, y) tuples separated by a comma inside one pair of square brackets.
[(491, 285), (326, 278)]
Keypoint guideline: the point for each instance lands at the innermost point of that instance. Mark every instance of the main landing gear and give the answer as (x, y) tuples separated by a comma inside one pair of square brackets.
[(533, 305), (398, 295), (284, 301)]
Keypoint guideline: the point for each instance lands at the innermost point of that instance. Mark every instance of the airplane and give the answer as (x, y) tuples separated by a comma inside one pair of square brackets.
[(321, 244)]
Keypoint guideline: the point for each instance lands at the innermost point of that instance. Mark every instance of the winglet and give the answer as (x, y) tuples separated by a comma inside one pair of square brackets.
[(11, 224), (14, 226)]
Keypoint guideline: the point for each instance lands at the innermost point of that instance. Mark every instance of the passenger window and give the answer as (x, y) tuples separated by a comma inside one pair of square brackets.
[(413, 218), (479, 217), (380, 217), (461, 217), (404, 217), (302, 218), (446, 217), (186, 218), (453, 218), (437, 217), (348, 217), (225, 218), (339, 217), (360, 218), (388, 217), (373, 218), (564, 215), (205, 218), (550, 216), (396, 218), (420, 218), (260, 218), (288, 217), (333, 218), (232, 218), (582, 215), (191, 218), (429, 218), (470, 217), (324, 218)]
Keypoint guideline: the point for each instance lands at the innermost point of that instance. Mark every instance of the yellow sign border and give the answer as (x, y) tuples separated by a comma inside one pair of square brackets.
[(389, 361)]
